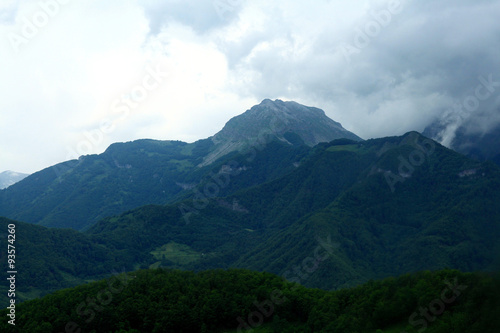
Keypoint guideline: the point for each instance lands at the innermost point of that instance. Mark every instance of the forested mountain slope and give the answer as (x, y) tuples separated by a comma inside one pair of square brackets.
[(369, 209)]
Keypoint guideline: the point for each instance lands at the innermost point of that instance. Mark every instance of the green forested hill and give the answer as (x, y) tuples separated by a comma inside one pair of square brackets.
[(443, 214), (51, 259), (77, 194), (246, 301), (370, 209), (266, 141)]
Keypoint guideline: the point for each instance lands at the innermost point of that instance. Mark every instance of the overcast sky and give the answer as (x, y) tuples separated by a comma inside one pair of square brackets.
[(78, 75)]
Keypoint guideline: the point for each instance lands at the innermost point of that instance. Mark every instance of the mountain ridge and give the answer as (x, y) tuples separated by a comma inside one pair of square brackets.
[(76, 194), (441, 214)]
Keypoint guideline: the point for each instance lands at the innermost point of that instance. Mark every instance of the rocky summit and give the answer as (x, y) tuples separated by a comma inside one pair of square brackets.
[(289, 122)]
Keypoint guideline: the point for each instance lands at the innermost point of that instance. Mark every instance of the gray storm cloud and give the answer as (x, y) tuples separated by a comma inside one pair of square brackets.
[(405, 70), (201, 16)]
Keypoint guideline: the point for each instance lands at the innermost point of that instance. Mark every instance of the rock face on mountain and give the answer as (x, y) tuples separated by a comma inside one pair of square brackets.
[(8, 178), (289, 122)]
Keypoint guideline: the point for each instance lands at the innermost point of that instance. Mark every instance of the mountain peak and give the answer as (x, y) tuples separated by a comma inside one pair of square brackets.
[(286, 109), (276, 120)]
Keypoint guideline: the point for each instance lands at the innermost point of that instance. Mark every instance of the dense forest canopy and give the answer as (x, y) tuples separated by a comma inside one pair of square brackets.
[(159, 300)]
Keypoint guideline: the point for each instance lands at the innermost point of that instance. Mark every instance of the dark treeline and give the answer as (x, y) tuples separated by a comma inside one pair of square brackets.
[(230, 300)]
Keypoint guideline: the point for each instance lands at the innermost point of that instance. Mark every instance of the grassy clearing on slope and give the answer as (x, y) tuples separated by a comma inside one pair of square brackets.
[(179, 254)]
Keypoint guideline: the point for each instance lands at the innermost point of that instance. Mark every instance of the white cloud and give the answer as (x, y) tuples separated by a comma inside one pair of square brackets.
[(224, 56)]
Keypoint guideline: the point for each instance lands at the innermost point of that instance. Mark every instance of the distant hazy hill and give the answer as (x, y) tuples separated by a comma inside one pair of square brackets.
[(76, 194), (8, 178)]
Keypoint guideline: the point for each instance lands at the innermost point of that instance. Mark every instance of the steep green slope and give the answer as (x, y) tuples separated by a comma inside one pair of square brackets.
[(134, 174), (245, 301), (228, 227), (348, 212), (129, 243), (263, 162), (442, 213), (76, 194), (51, 259), (381, 221)]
